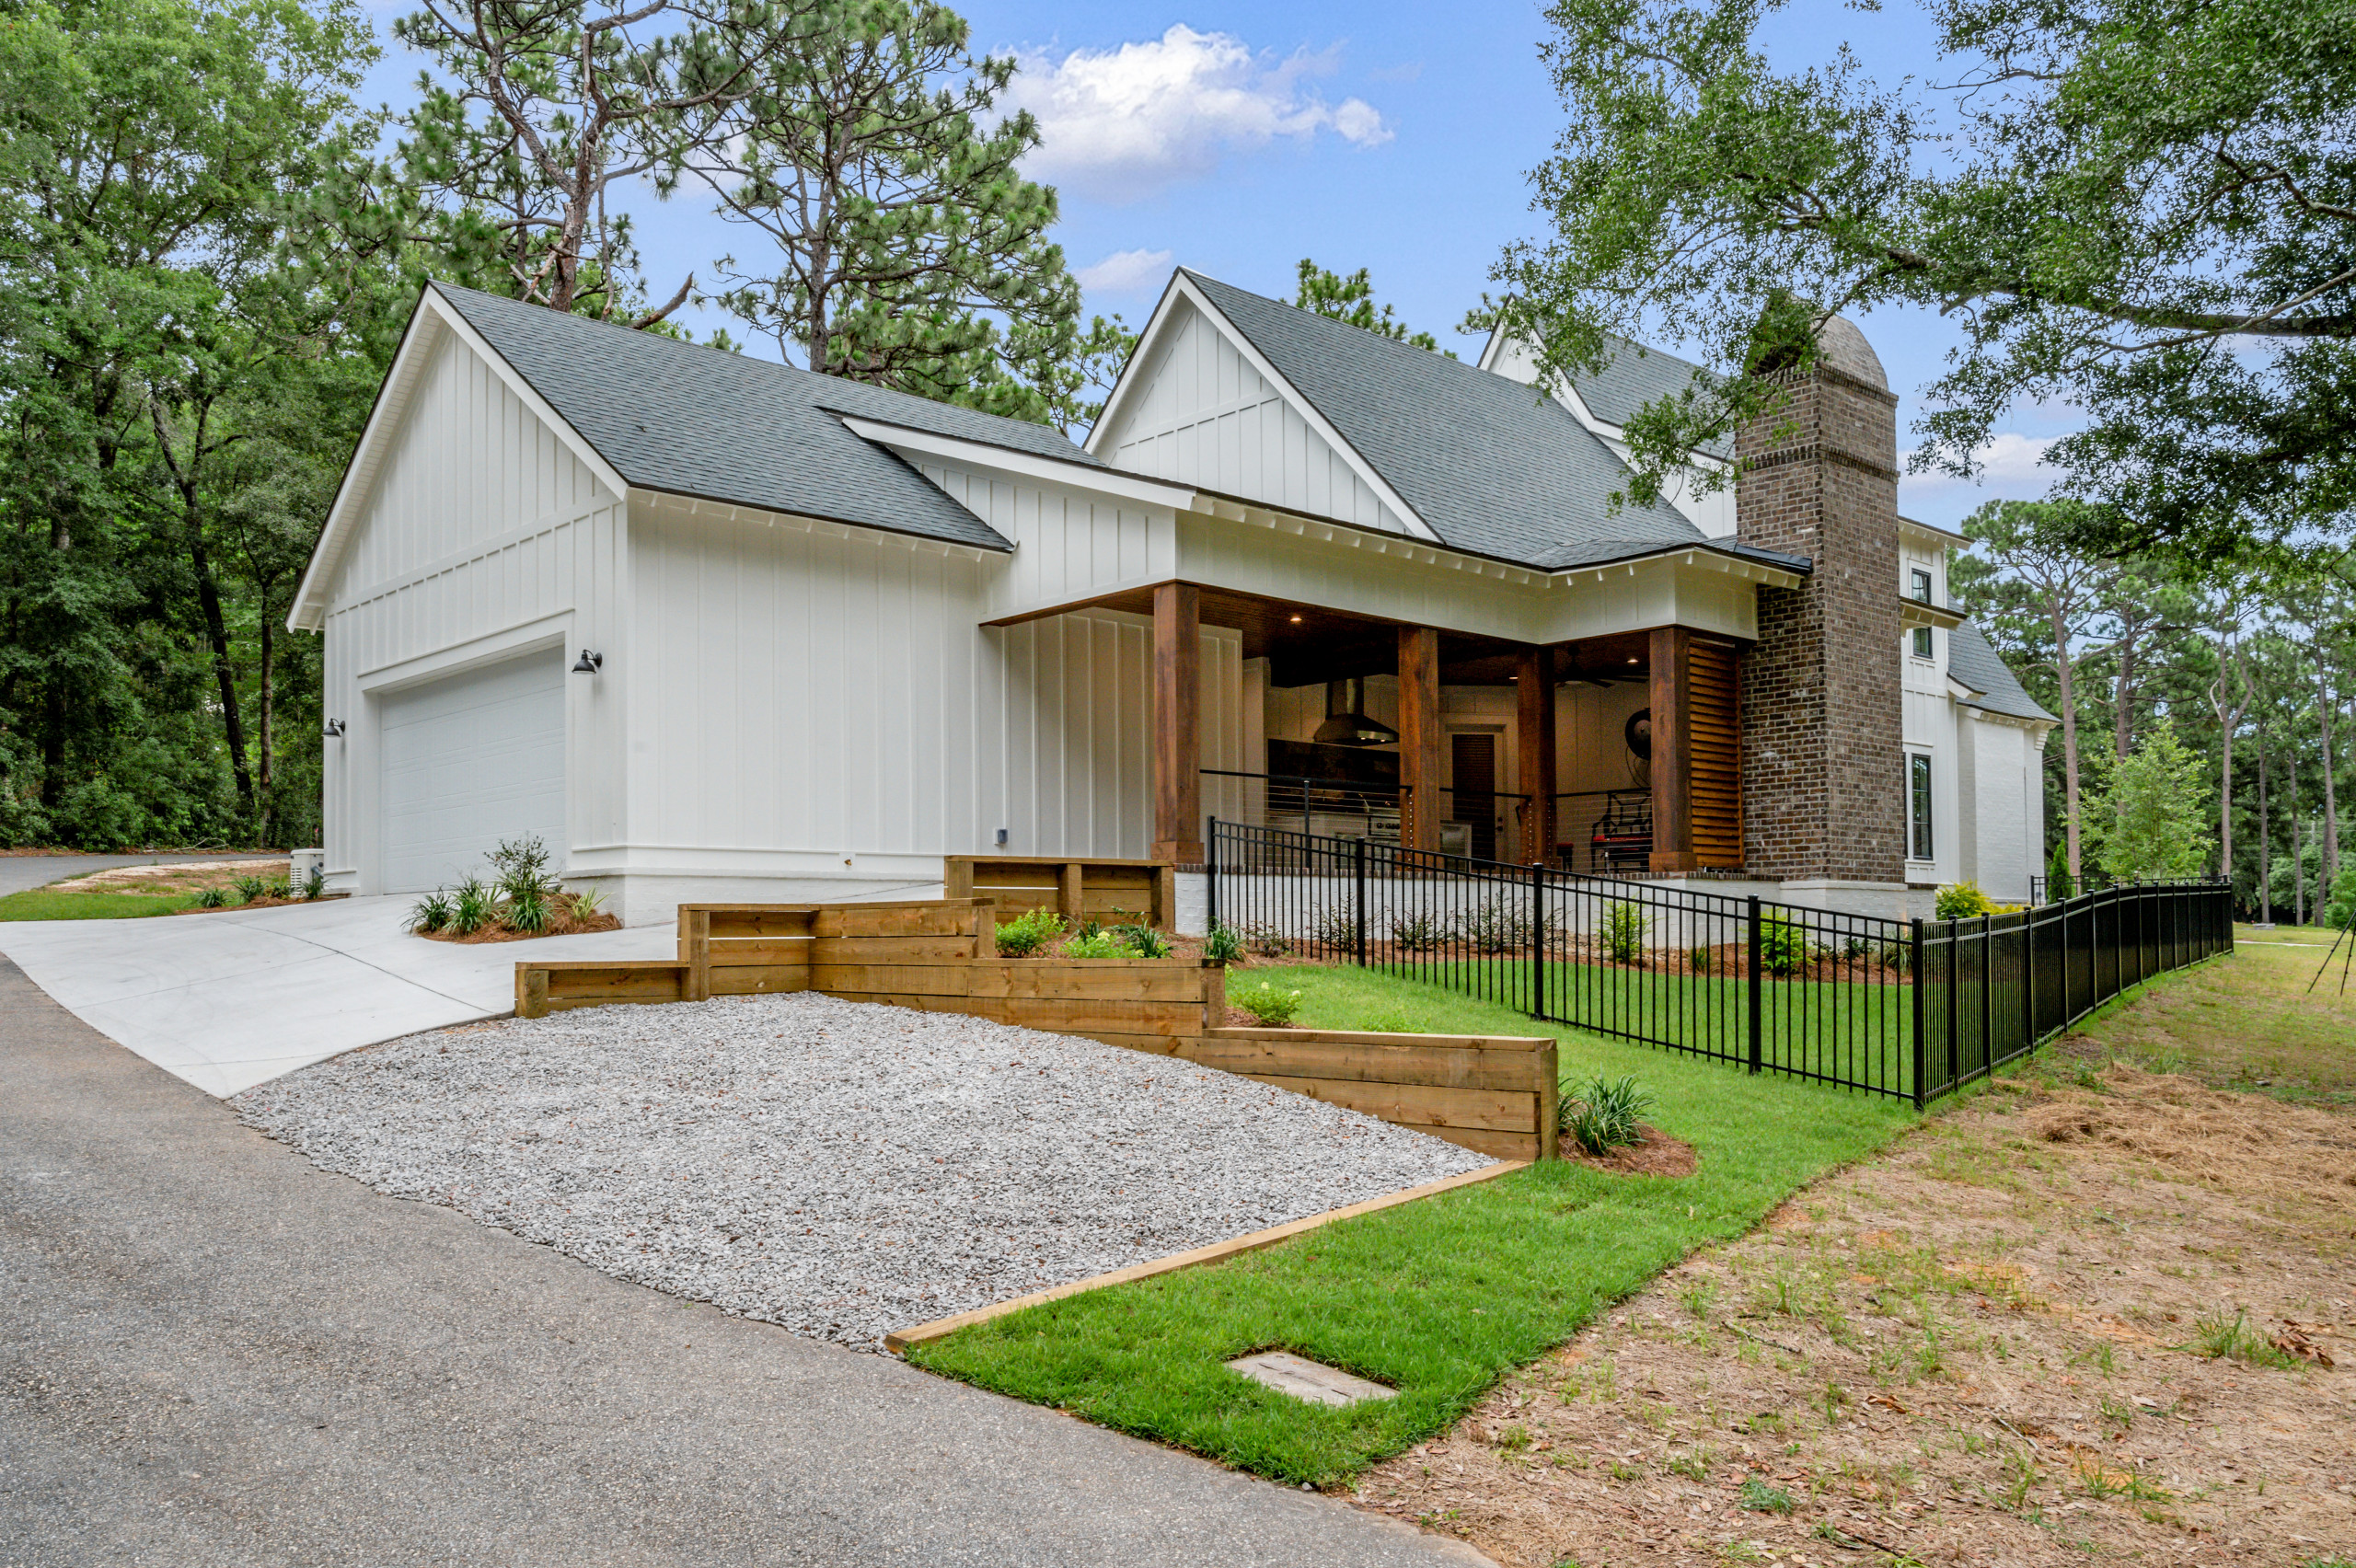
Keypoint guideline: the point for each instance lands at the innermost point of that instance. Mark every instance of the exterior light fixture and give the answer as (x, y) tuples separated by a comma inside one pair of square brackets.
[(333, 729), (588, 664), (1296, 620), (1631, 660), (1002, 838)]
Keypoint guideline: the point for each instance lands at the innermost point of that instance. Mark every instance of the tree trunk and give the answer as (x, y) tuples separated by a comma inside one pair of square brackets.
[(2330, 864), (2069, 744), (2225, 808), (208, 596), (268, 813), (2124, 698), (2265, 838)]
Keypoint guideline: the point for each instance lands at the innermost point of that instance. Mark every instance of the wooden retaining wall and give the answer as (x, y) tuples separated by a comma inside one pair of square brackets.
[(1495, 1094), (1110, 891)]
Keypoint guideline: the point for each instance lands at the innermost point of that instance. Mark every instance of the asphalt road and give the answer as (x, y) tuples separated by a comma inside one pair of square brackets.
[(21, 873), (211, 1353)]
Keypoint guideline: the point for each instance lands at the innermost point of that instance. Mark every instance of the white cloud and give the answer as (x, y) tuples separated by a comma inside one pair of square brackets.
[(2009, 463), (1126, 272), (1120, 123)]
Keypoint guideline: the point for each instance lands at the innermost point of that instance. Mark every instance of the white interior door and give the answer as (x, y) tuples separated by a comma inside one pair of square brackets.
[(468, 761)]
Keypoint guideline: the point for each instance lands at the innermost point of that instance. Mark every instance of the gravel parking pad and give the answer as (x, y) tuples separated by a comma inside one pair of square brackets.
[(837, 1167)]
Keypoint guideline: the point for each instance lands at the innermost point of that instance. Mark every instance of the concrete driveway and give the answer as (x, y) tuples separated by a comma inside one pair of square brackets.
[(230, 998), (211, 1352)]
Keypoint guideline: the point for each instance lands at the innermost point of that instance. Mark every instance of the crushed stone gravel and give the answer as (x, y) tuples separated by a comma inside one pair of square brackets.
[(841, 1169)]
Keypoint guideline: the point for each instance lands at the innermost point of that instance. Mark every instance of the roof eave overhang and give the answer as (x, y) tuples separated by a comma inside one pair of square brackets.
[(1006, 460), (1916, 612), (1930, 533), (1734, 563), (810, 522)]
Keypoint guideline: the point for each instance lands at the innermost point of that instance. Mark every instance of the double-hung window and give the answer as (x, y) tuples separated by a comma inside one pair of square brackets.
[(1919, 845), (1922, 588)]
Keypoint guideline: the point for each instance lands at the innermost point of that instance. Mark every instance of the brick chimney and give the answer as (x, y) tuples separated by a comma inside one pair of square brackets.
[(1823, 771)]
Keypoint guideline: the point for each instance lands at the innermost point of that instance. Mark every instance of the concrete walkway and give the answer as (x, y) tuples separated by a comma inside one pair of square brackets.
[(234, 998), (212, 1353)]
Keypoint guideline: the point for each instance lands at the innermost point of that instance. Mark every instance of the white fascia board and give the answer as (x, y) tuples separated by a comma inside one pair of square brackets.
[(698, 506), (419, 341), (1184, 285), (1919, 612), (1757, 571), (1116, 401), (1068, 472), (1929, 536)]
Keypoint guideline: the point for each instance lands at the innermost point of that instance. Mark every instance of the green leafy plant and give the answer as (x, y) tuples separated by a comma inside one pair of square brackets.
[(1274, 1009), (1266, 942), (1896, 956), (529, 914), (2219, 1337), (1028, 933), (1142, 941), (1962, 901), (1700, 959), (1099, 943), (1761, 1498), (213, 898), (431, 913), (522, 867), (587, 903), (1089, 928), (249, 888), (315, 884), (1417, 933), (1782, 945), (1622, 931), (1603, 1115), (276, 890), (1224, 945), (472, 907)]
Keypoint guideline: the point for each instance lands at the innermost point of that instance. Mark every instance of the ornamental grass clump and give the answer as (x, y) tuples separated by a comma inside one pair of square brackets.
[(1603, 1115), (1273, 1009), (1142, 941), (1622, 931), (1224, 945), (432, 913), (471, 908)]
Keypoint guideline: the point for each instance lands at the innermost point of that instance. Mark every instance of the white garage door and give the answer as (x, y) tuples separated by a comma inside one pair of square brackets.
[(468, 762)]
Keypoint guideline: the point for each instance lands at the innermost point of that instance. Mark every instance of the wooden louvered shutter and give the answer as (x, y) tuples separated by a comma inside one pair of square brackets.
[(1717, 755)]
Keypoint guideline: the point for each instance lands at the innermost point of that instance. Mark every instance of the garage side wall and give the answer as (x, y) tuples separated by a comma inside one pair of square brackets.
[(485, 539)]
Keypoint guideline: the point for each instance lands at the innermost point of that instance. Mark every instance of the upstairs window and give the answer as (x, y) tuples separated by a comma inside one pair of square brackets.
[(1920, 585), (1922, 642), (1918, 806)]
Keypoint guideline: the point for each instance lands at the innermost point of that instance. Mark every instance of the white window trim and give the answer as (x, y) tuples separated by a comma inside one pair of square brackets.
[(1931, 765)]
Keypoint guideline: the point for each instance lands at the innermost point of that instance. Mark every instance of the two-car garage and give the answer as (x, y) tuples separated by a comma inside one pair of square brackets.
[(466, 761)]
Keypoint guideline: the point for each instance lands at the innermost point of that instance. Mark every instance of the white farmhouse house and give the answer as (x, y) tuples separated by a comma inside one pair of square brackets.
[(721, 629)]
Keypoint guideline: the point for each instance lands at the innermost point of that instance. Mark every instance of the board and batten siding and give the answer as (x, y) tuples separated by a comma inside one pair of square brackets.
[(481, 525), (1207, 417), (826, 702), (1069, 545)]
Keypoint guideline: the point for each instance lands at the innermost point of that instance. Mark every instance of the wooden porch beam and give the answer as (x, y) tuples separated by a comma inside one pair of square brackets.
[(1419, 760), (1672, 759), (1177, 723), (1534, 710)]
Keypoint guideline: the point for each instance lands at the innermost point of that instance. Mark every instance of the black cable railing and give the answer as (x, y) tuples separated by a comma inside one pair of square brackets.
[(1908, 1009)]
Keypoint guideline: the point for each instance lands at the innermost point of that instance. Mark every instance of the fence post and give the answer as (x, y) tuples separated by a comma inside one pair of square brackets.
[(1758, 995), (1358, 865), (1537, 940), (1210, 873), (1955, 958), (1921, 1045), (2029, 976), (1987, 992)]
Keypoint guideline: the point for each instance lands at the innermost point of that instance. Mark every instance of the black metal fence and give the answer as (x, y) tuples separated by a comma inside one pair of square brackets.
[(1908, 1009)]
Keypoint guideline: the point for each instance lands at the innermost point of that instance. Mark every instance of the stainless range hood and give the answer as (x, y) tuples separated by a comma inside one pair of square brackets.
[(1346, 721)]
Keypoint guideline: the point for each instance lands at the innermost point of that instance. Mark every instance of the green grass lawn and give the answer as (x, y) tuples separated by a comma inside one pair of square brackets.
[(1438, 1299), (40, 904)]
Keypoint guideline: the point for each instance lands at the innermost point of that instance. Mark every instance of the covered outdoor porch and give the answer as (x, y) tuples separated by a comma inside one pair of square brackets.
[(1617, 753)]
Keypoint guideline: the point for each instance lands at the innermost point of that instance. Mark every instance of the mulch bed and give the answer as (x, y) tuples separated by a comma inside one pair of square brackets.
[(1654, 1153), (557, 927)]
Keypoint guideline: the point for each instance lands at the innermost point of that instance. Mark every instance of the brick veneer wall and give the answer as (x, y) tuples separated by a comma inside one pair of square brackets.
[(1822, 709)]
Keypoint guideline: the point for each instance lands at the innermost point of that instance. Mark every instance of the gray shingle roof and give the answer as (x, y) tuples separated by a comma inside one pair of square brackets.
[(694, 421), (1973, 661), (1637, 375), (1490, 465)]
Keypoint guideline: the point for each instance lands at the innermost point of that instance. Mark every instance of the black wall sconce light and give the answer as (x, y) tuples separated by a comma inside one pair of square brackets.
[(588, 664), (333, 729)]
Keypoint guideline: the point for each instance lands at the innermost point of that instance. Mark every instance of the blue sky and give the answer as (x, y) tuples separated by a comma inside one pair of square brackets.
[(1236, 138)]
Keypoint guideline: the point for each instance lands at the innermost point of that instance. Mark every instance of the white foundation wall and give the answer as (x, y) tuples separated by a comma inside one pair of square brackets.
[(483, 536), (818, 714)]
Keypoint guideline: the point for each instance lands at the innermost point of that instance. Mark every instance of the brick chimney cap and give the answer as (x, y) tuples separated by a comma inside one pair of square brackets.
[(1845, 350)]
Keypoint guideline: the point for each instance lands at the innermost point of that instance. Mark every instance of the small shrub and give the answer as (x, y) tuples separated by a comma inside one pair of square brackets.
[(1224, 945), (1701, 958), (522, 867), (1761, 1498), (1098, 943), (213, 898), (1026, 934), (277, 890), (529, 914), (1896, 956), (1142, 941), (1418, 933), (587, 903), (1089, 930), (249, 888), (1962, 901), (1274, 1009), (471, 908), (1265, 940), (1335, 926), (1603, 1115), (1495, 927), (1623, 930), (1782, 945), (315, 885), (431, 913)]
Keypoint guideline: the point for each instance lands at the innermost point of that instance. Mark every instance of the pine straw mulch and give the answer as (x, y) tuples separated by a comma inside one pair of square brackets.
[(562, 922), (1984, 1348)]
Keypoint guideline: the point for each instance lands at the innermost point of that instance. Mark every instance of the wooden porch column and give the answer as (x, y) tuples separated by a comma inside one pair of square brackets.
[(1419, 766), (1178, 723), (1672, 705), (1535, 708)]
